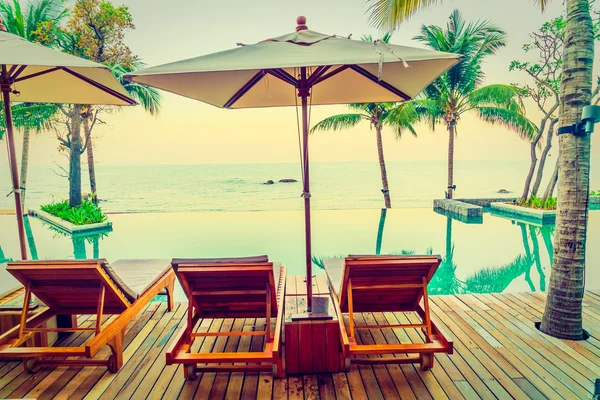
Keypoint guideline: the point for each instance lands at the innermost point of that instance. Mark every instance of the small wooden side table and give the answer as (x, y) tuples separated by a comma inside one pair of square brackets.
[(311, 346)]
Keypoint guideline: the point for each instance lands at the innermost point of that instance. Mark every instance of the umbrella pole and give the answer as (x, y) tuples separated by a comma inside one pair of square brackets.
[(303, 92), (12, 157)]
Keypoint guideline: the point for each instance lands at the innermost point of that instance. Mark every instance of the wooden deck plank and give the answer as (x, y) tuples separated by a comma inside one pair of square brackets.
[(550, 386), (475, 355), (250, 387), (17, 377), (498, 354), (581, 353), (550, 362), (92, 375), (25, 382), (148, 369)]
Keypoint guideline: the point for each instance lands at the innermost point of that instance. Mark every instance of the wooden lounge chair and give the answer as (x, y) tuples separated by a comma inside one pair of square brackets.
[(386, 284), (250, 287), (73, 287)]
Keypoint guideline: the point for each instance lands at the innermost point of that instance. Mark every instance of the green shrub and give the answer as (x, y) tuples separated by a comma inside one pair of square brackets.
[(595, 193), (86, 213), (538, 203)]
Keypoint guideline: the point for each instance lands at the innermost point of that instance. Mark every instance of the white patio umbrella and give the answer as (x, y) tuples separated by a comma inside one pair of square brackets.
[(315, 67), (37, 74)]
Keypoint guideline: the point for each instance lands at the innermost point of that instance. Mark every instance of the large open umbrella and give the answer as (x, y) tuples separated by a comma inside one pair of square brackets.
[(37, 74), (328, 69)]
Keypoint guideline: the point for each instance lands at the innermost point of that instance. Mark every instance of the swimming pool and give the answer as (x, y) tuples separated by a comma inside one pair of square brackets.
[(499, 254)]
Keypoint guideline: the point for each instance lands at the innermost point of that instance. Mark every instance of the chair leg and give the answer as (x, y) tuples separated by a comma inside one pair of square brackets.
[(170, 288), (115, 360), (426, 361)]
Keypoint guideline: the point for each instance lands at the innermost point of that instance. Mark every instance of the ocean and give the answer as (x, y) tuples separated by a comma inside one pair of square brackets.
[(240, 187)]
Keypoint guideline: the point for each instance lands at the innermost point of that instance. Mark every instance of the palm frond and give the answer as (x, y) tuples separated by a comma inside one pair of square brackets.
[(33, 117), (508, 96), (513, 120), (496, 280), (149, 97), (338, 122), (389, 14)]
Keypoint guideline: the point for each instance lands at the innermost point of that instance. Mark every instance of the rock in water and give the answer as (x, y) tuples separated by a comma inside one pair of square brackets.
[(503, 191), (287, 180), (269, 182)]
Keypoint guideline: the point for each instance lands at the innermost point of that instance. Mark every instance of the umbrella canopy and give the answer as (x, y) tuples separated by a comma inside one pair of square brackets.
[(327, 69), (341, 71), (37, 74)]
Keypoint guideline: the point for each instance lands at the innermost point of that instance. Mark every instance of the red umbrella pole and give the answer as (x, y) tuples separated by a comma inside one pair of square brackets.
[(12, 157), (303, 92)]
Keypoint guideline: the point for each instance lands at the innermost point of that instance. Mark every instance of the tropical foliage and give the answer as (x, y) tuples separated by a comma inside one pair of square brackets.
[(460, 90), (29, 23), (538, 203), (86, 213)]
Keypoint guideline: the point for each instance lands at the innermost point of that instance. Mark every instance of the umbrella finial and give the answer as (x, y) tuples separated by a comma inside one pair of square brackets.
[(2, 27), (301, 21)]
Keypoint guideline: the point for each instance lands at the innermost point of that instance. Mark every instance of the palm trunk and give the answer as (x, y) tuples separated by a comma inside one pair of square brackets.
[(24, 165), (79, 250), (380, 231), (96, 246), (384, 179), (451, 134), (448, 255), (30, 238), (543, 157), (563, 313), (528, 255), (536, 257), (532, 165), (90, 161), (75, 157), (552, 184)]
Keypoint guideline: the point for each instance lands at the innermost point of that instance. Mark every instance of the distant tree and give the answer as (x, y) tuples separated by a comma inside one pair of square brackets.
[(95, 31), (546, 74)]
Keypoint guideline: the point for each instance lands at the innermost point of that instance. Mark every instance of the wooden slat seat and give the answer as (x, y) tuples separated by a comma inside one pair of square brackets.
[(75, 287), (249, 287), (386, 283)]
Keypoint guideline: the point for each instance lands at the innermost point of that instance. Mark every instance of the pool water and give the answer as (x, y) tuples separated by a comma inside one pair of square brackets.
[(497, 255)]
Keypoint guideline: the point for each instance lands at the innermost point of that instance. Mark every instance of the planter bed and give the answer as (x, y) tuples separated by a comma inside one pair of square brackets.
[(67, 226), (543, 217), (458, 207), (458, 217)]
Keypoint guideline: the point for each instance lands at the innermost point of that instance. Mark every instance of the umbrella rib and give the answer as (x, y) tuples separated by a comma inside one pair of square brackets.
[(284, 76), (244, 89), (100, 86), (383, 84), (330, 74), (36, 74), (320, 71), (18, 73)]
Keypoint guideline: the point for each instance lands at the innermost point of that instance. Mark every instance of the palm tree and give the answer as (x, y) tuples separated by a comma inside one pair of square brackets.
[(149, 97), (563, 314), (25, 24), (378, 115), (459, 90)]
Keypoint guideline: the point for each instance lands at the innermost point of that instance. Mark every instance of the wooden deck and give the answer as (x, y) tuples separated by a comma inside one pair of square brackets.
[(498, 354)]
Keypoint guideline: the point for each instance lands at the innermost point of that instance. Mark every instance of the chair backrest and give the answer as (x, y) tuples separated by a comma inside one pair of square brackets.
[(70, 286), (386, 283), (228, 288)]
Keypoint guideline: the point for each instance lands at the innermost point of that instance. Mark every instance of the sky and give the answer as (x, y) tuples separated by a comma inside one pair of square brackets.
[(188, 131)]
